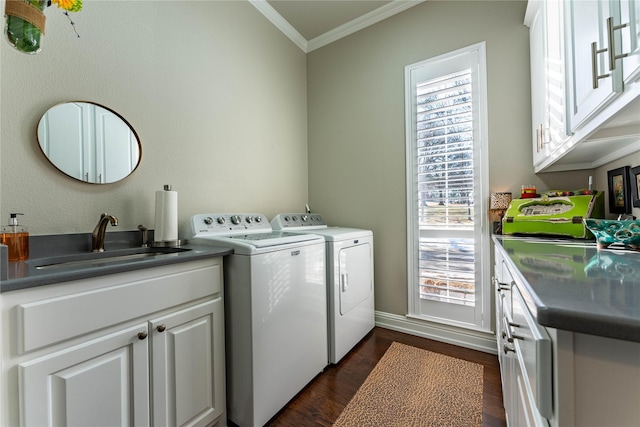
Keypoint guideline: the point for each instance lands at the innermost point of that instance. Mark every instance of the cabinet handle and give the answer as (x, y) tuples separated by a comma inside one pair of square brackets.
[(507, 349), (537, 140), (543, 141), (611, 29), (142, 335), (161, 328), (594, 64)]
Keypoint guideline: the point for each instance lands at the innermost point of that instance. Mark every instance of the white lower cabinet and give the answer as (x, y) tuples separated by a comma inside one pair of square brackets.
[(104, 381), (186, 364), (559, 378), (144, 348)]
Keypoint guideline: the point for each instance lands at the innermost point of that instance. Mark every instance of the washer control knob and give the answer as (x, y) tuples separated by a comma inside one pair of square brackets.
[(294, 218), (286, 218), (208, 220), (235, 219), (249, 219), (258, 218), (220, 220), (304, 218)]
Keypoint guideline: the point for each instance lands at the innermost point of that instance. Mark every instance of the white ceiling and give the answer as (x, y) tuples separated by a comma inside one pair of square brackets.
[(314, 23)]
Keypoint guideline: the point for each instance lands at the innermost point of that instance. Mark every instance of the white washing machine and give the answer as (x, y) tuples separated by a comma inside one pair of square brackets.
[(349, 278), (275, 311)]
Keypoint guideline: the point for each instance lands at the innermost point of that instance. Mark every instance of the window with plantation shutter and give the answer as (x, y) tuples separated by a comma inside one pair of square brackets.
[(446, 178)]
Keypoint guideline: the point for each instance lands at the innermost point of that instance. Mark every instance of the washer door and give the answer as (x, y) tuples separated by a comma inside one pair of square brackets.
[(356, 276)]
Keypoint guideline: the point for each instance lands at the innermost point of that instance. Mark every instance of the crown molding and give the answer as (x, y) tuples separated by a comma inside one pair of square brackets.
[(364, 21), (373, 17), (276, 19)]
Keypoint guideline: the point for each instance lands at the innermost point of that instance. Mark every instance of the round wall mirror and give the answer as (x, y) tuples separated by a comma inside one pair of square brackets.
[(89, 142)]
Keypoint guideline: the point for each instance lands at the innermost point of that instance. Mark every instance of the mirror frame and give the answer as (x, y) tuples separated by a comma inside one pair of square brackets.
[(115, 113)]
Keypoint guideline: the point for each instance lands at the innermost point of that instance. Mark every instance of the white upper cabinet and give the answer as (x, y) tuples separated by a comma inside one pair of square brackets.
[(549, 125), (630, 43), (585, 60), (593, 82)]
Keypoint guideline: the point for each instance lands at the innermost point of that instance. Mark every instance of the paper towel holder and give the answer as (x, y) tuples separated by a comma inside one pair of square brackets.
[(164, 243)]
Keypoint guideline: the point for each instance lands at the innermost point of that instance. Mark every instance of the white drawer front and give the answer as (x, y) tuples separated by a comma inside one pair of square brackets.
[(533, 347), (51, 320)]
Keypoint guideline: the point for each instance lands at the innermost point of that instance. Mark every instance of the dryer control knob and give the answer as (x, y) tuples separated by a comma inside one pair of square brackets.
[(208, 220), (304, 218), (249, 219), (235, 219), (258, 218), (220, 220)]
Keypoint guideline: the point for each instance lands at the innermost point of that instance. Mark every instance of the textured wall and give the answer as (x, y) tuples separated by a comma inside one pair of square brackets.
[(357, 125), (216, 93)]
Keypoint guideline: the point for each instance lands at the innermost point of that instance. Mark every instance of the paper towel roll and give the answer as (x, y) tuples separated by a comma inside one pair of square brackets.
[(166, 215)]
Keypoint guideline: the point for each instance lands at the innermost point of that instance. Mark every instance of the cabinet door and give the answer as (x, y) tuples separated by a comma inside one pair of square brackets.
[(104, 381), (593, 85), (188, 366), (69, 126), (630, 40), (548, 87), (538, 87), (116, 147)]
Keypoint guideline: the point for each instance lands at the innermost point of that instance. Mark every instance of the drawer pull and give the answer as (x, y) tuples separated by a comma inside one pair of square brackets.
[(142, 335), (161, 328), (507, 349), (515, 337)]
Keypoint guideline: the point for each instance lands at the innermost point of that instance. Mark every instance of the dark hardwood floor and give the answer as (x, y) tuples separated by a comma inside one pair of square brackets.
[(322, 401)]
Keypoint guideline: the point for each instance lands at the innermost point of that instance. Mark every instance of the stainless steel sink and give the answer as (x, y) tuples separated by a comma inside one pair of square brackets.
[(103, 258)]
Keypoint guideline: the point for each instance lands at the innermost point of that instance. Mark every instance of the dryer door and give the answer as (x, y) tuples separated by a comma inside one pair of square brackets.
[(356, 276)]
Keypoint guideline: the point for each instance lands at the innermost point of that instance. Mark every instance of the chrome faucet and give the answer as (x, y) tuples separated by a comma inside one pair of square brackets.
[(97, 237)]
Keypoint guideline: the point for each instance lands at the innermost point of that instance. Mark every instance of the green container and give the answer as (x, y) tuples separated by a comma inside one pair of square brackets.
[(554, 216)]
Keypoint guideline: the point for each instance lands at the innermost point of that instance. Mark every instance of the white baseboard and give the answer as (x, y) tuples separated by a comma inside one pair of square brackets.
[(464, 338)]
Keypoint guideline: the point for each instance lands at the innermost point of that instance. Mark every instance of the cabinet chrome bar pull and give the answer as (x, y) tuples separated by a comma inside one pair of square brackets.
[(507, 349), (594, 64), (543, 142), (537, 140), (611, 29), (142, 335)]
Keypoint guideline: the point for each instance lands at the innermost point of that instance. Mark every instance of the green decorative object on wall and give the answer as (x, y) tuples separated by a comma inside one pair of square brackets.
[(25, 24), (25, 21)]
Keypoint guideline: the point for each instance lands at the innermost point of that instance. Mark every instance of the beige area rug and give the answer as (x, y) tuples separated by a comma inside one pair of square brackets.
[(414, 387)]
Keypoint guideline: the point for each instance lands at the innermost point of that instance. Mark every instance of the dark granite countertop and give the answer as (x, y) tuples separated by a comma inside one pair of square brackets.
[(24, 274), (573, 286)]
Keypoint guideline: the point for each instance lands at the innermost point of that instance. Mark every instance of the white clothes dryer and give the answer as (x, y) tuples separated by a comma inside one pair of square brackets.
[(275, 305), (350, 288)]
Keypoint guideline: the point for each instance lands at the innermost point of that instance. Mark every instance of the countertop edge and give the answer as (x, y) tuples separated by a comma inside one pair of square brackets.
[(197, 252), (570, 320)]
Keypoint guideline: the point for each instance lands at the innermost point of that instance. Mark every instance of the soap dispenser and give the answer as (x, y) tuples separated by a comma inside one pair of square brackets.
[(16, 237)]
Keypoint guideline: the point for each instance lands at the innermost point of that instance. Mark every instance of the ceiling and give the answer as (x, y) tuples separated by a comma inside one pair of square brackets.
[(314, 23)]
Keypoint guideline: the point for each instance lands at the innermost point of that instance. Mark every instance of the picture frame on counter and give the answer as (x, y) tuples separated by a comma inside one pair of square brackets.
[(619, 191), (634, 180)]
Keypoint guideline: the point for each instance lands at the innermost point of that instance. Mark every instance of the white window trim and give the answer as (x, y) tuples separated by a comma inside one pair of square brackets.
[(483, 314)]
